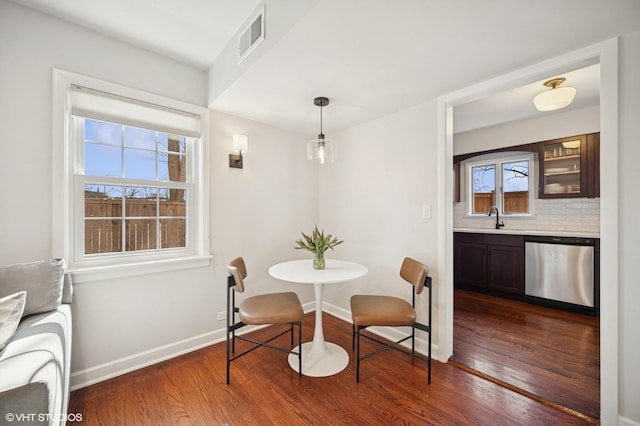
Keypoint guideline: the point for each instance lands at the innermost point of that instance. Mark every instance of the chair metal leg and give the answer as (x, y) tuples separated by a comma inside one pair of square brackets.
[(353, 336), (357, 331), (229, 312), (299, 349), (429, 361), (291, 333), (228, 362), (430, 287)]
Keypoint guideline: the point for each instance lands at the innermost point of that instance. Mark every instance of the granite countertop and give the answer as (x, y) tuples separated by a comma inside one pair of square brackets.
[(524, 232)]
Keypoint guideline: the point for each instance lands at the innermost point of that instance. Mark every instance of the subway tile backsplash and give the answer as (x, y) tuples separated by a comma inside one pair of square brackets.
[(563, 214)]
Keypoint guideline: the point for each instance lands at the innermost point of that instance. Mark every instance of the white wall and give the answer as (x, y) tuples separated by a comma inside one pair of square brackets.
[(629, 153), (256, 212), (372, 198), (31, 44)]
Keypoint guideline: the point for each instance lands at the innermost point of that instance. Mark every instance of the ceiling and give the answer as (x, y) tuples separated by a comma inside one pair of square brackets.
[(369, 57), (190, 31)]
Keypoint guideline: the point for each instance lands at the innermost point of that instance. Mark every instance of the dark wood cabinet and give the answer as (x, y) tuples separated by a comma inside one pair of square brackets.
[(489, 263), (570, 167), (563, 167), (471, 267), (505, 269)]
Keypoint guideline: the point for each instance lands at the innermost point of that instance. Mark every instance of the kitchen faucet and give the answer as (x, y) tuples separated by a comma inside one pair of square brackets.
[(498, 224)]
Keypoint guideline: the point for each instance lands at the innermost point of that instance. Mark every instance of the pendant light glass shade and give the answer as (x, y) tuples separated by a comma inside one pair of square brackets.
[(556, 98), (321, 149)]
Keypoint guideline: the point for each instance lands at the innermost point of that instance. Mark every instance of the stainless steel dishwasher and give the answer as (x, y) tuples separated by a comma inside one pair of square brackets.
[(560, 269)]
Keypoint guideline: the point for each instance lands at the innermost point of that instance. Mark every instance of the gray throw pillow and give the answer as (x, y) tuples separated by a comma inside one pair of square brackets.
[(41, 280), (11, 308)]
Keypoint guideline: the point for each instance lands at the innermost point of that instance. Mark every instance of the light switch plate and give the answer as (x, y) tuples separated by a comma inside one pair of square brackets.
[(426, 211)]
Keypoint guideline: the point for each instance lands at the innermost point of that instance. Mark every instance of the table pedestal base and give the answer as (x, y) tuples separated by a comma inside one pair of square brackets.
[(320, 363)]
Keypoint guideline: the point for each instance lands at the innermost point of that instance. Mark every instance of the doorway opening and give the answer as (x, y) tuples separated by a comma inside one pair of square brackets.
[(606, 53)]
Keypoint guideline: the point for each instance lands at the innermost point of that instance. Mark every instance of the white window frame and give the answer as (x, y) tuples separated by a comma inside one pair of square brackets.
[(498, 160), (68, 192)]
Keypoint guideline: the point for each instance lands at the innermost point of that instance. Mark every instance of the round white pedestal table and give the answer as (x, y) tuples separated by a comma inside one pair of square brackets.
[(319, 357)]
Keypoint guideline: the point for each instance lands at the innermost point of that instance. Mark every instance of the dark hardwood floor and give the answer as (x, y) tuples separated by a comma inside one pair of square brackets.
[(264, 390), (549, 353)]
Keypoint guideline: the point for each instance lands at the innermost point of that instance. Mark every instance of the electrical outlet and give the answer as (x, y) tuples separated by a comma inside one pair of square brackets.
[(222, 316)]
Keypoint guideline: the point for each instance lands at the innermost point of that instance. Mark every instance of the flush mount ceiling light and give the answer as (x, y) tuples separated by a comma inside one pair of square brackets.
[(321, 149), (556, 98)]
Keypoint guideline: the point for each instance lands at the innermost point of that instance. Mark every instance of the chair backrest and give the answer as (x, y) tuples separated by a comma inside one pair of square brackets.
[(414, 272), (238, 271)]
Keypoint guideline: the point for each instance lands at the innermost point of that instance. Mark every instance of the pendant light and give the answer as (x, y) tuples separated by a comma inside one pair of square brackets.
[(321, 149), (556, 98)]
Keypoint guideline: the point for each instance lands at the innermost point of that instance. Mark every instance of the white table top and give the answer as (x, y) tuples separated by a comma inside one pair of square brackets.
[(302, 271)]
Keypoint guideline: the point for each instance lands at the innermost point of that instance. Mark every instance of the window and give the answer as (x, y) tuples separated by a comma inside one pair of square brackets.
[(503, 182), (133, 177), (135, 188)]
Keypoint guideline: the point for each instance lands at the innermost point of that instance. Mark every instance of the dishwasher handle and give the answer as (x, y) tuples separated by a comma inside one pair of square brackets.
[(573, 241)]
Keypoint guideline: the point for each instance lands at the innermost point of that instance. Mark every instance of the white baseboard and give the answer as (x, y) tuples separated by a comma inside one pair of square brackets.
[(118, 367), (623, 421)]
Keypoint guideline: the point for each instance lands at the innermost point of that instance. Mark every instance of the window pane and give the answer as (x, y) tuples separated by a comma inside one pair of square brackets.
[(101, 131), (484, 188), (515, 187), (102, 160), (172, 167), (135, 137), (173, 202), (172, 143), (173, 233), (102, 201), (140, 234), (163, 141), (141, 201), (139, 164), (102, 236)]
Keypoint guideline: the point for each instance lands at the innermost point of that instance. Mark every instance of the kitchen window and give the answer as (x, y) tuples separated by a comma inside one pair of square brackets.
[(134, 180), (505, 182)]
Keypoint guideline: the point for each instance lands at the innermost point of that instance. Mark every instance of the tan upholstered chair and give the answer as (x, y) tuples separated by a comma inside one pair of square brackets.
[(388, 311), (274, 308)]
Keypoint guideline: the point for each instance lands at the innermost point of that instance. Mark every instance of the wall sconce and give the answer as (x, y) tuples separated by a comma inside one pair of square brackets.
[(240, 146)]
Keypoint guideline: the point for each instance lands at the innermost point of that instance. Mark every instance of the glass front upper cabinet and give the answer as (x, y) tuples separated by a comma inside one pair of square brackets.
[(563, 168)]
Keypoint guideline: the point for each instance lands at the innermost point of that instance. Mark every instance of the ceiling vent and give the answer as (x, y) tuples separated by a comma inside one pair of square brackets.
[(251, 37)]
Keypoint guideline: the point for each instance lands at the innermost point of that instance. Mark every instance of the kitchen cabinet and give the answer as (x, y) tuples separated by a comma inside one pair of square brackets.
[(505, 269), (570, 167), (489, 263), (470, 263), (563, 168)]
